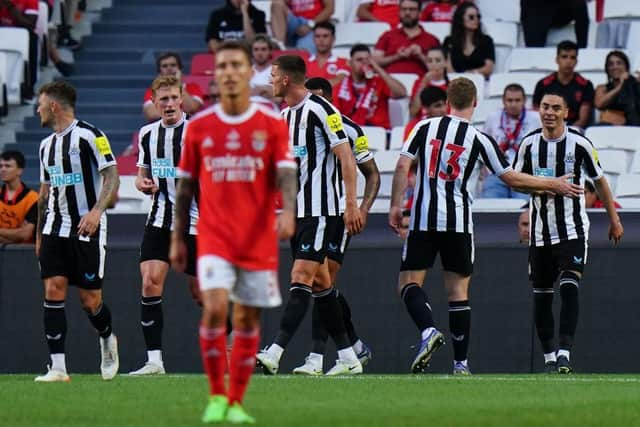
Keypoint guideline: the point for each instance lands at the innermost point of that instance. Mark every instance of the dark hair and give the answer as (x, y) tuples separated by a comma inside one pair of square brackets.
[(264, 38), (566, 45), (360, 47), (14, 155), (166, 55), (327, 26), (457, 27), (416, 1), (588, 187), (293, 66), (235, 45), (461, 92), (432, 94), (555, 92), (60, 91), (323, 84), (513, 87), (620, 54)]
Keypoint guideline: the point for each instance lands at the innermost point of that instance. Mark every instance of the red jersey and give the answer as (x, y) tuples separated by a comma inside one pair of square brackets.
[(28, 7), (393, 40), (367, 104), (306, 8), (235, 160), (192, 89), (442, 84), (438, 12), (332, 67), (385, 11)]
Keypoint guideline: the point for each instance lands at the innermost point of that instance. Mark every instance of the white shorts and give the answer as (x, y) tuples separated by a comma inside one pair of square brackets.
[(252, 288)]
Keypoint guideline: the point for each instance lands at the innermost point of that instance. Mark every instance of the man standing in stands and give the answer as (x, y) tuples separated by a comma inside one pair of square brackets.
[(79, 181), (170, 64), (323, 63), (577, 90), (236, 20), (18, 209)]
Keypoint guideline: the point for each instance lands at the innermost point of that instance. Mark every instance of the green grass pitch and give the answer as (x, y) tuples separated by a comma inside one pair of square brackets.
[(367, 400)]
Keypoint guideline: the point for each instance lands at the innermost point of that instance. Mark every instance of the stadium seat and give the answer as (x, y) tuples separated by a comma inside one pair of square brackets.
[(484, 108), (41, 22), (635, 163), (4, 107), (386, 179), (533, 59), (633, 37), (397, 138), (340, 11), (407, 80), (439, 29), (200, 80), (348, 34), (203, 64), (15, 43), (502, 33), (617, 137), (613, 161), (508, 11), (301, 53), (342, 52), (477, 79), (628, 185), (129, 198), (595, 77), (380, 205), (398, 111), (621, 9), (377, 137), (386, 160), (498, 81), (592, 60)]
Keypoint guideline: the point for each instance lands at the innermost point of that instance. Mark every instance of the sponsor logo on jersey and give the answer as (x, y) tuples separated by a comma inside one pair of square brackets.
[(545, 172), (163, 168), (208, 142), (299, 151), (232, 168), (60, 179), (233, 140)]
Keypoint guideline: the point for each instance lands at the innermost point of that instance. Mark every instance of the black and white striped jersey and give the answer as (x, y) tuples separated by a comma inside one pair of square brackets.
[(555, 219), (315, 127), (360, 148), (159, 152), (446, 150), (70, 162)]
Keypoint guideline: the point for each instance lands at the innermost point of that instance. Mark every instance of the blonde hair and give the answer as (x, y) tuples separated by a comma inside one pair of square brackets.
[(461, 93), (165, 81)]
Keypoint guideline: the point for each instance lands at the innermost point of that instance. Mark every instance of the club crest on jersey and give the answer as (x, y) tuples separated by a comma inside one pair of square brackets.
[(259, 140), (233, 140), (569, 159), (332, 68), (208, 142)]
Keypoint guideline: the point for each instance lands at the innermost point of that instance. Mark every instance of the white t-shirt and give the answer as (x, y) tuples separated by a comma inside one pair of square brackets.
[(261, 78), (499, 126)]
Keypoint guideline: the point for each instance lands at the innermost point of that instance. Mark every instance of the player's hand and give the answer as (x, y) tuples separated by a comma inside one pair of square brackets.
[(178, 253), (395, 219), (89, 223), (146, 185), (615, 231), (563, 187), (285, 225), (352, 219)]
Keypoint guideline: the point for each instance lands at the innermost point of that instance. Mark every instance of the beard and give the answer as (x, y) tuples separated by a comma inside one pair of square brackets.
[(409, 23)]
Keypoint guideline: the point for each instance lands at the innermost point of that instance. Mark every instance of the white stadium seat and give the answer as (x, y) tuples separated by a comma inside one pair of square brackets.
[(621, 9), (613, 161), (386, 160), (591, 59), (628, 185), (635, 163), (377, 137), (502, 33), (595, 77), (498, 81), (483, 109), (397, 138), (497, 205), (534, 59), (617, 137), (348, 34), (407, 80), (476, 78), (386, 179), (398, 111), (15, 43), (129, 198), (500, 10), (265, 6), (439, 29)]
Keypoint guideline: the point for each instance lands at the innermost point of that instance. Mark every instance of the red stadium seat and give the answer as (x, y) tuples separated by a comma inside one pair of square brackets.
[(200, 80), (302, 53), (203, 64)]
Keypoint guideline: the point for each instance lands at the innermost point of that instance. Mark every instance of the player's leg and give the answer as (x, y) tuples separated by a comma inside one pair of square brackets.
[(543, 274), (418, 254)]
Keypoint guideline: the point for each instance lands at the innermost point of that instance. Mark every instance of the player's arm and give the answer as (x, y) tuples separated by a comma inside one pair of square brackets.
[(108, 194), (398, 187), (43, 202), (604, 193), (352, 216), (144, 183), (371, 186), (530, 184), (22, 234)]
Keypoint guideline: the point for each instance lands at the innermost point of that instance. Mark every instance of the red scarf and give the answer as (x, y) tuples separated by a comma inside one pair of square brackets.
[(360, 106)]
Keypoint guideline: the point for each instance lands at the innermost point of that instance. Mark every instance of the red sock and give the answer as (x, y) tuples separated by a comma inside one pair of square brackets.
[(243, 362), (213, 347)]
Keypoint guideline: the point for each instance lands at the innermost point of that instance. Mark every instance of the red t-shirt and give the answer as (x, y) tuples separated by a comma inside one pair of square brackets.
[(332, 67), (366, 104), (386, 11), (29, 7), (393, 40), (192, 89), (438, 12), (235, 160), (416, 85), (306, 8)]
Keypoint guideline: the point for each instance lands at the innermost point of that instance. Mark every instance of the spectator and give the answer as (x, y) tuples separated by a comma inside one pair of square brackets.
[(433, 102), (60, 36), (523, 225), (403, 49), (18, 207), (439, 11), (237, 19), (379, 11), (364, 95), (577, 90), (170, 64), (508, 126), (292, 21), (539, 16), (436, 76), (619, 98), (213, 96), (469, 50), (24, 14), (324, 64), (591, 198), (261, 56), (69, 9)]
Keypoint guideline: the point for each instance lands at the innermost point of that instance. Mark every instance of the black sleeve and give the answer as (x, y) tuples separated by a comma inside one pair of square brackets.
[(32, 214), (258, 19), (589, 93), (488, 49), (213, 27), (537, 94)]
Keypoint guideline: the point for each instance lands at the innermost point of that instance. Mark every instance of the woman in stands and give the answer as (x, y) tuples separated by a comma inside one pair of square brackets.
[(619, 99), (435, 76), (469, 49)]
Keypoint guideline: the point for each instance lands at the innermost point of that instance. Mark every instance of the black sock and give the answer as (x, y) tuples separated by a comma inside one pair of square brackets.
[(460, 326), (101, 320), (543, 313), (55, 325), (294, 312), (569, 308), (418, 306), (331, 316), (319, 334), (152, 321), (346, 316)]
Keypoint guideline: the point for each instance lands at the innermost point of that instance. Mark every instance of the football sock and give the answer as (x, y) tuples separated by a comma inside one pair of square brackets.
[(569, 283), (543, 314), (55, 325), (550, 357), (319, 334), (331, 316), (101, 320), (346, 316), (418, 306), (243, 362), (294, 312), (152, 321), (460, 326), (213, 348), (58, 362), (564, 352)]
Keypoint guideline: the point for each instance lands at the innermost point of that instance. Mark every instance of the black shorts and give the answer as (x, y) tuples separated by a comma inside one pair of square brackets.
[(421, 247), (155, 246), (338, 242), (547, 262), (312, 237), (81, 262)]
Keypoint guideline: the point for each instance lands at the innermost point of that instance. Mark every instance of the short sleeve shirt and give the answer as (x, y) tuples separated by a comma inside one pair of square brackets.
[(333, 67), (393, 40), (461, 62), (578, 91)]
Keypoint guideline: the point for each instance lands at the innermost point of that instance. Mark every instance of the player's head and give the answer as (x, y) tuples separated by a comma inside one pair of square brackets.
[(523, 226), (11, 165), (233, 69), (287, 71), (169, 64), (616, 64), (434, 101), (54, 99), (320, 86), (553, 110), (324, 35), (513, 99), (261, 49), (360, 59), (461, 94), (409, 13), (166, 93), (566, 56)]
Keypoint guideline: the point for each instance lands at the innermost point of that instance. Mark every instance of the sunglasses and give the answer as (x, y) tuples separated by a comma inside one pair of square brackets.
[(473, 17)]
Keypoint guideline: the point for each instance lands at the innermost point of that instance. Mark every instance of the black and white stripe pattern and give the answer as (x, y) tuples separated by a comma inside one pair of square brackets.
[(315, 127), (70, 162), (555, 219), (360, 148), (447, 150), (160, 147)]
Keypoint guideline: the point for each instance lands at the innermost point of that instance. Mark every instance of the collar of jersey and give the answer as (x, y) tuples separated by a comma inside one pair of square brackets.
[(462, 119), (301, 103), (68, 129), (234, 120), (560, 138), (178, 123)]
